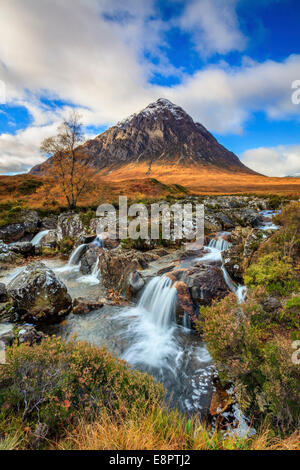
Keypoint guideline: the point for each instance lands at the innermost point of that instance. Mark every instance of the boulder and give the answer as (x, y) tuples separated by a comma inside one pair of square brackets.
[(117, 265), (244, 243), (39, 295), (6, 255), (22, 248), (3, 293), (28, 222), (49, 223), (69, 225), (28, 334), (135, 281), (49, 240), (205, 282), (88, 260), (82, 306)]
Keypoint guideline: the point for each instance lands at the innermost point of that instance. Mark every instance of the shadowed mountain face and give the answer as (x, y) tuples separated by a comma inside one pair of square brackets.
[(161, 134)]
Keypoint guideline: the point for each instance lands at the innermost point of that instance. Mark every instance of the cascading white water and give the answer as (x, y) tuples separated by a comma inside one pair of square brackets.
[(219, 244), (76, 255), (154, 345), (215, 247), (159, 301), (93, 278), (38, 237)]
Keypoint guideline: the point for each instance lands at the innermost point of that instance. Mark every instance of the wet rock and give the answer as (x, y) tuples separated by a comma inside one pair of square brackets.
[(185, 300), (245, 241), (205, 283), (39, 295), (225, 221), (117, 264), (23, 248), (49, 223), (3, 292), (69, 225), (88, 260), (82, 306), (28, 334), (6, 255), (49, 240), (7, 333), (221, 402), (28, 222), (135, 281)]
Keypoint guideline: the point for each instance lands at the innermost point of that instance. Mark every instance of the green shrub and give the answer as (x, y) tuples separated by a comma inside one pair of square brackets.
[(52, 383), (66, 245), (273, 272), (254, 353)]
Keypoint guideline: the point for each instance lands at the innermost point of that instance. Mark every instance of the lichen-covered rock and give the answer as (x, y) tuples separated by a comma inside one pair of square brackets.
[(28, 222), (6, 255), (244, 243), (22, 248), (69, 225), (39, 295), (50, 239)]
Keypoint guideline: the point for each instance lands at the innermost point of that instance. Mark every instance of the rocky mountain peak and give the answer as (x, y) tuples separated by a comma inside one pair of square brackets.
[(161, 134), (162, 108)]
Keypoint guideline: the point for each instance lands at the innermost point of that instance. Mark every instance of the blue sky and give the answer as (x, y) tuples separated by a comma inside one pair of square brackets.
[(229, 63)]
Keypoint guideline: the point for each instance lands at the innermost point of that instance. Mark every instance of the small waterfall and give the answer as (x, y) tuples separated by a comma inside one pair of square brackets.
[(159, 301), (152, 325), (93, 278), (219, 244), (238, 289), (38, 237), (216, 246), (76, 255)]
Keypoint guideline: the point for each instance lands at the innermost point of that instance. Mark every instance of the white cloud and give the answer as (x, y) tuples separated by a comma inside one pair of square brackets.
[(18, 153), (74, 52), (214, 26), (283, 160)]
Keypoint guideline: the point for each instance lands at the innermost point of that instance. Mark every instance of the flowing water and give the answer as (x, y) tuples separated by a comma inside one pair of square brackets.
[(38, 237)]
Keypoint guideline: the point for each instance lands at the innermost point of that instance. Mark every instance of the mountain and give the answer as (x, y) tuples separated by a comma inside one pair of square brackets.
[(295, 175), (161, 135)]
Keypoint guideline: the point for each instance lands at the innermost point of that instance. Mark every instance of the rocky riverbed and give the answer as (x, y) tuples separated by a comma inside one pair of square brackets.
[(140, 304)]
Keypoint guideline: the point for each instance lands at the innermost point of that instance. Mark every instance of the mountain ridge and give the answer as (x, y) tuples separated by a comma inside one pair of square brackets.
[(160, 134)]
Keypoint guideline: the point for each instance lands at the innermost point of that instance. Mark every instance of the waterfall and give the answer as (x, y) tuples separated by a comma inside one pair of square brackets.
[(219, 244), (238, 289), (216, 246), (159, 301), (93, 278), (38, 237), (76, 255), (152, 326)]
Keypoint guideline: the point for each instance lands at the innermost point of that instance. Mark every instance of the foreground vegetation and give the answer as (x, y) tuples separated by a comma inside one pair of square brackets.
[(76, 396), (252, 343)]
